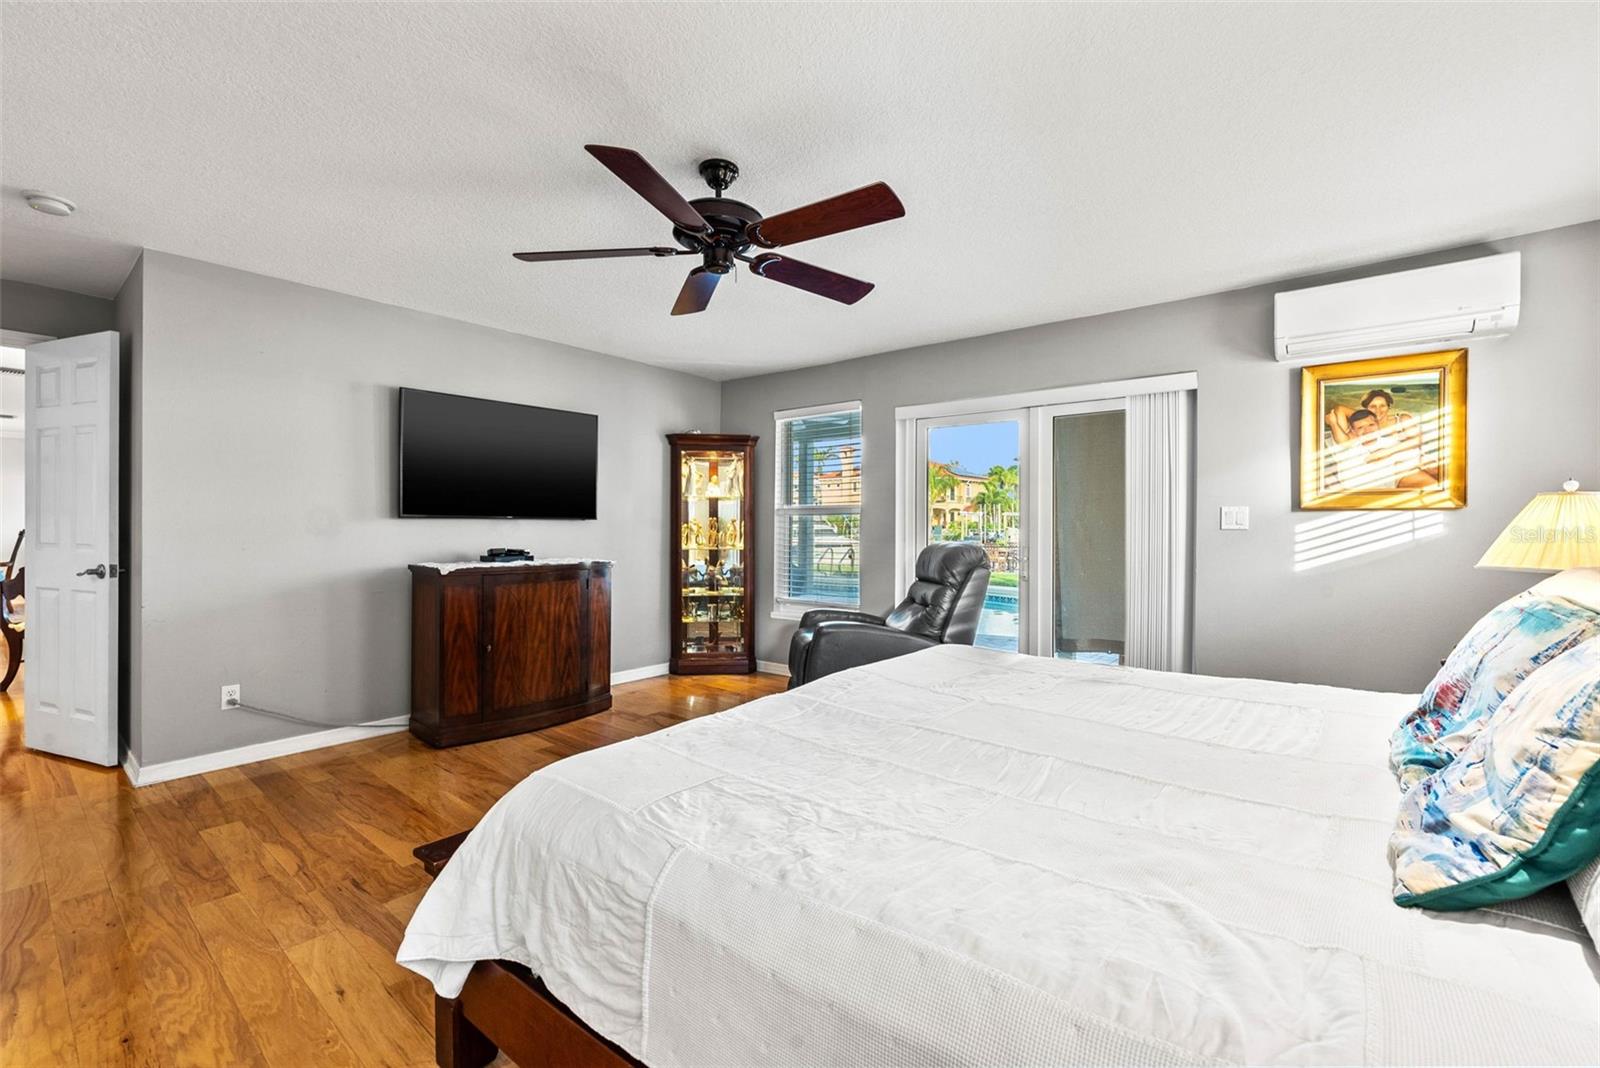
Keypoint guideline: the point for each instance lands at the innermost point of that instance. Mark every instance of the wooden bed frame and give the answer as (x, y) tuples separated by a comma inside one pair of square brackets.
[(504, 1008)]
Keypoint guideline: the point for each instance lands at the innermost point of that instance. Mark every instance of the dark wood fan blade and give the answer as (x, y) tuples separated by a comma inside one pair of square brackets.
[(596, 254), (870, 204), (643, 179), (818, 280), (696, 292)]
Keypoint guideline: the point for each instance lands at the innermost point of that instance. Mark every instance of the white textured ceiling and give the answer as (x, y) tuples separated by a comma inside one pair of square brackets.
[(1055, 161)]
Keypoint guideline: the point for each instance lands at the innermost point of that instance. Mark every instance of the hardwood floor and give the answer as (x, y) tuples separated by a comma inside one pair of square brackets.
[(250, 916)]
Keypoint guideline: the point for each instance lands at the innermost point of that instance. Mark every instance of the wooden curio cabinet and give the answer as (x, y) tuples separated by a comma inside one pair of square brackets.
[(712, 535)]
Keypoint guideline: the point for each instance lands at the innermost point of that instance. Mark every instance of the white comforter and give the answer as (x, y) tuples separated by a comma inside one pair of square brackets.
[(968, 857)]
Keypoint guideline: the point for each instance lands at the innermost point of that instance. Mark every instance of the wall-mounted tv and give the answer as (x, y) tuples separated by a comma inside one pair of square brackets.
[(469, 458)]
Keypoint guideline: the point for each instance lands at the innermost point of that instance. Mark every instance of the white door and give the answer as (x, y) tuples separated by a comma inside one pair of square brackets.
[(71, 488)]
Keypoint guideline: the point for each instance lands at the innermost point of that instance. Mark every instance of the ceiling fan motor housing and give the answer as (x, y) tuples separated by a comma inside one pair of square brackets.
[(727, 218)]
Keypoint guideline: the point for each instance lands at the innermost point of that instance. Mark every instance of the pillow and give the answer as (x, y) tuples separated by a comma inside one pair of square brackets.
[(1520, 808), (1578, 584), (1585, 887), (1500, 650), (1581, 584)]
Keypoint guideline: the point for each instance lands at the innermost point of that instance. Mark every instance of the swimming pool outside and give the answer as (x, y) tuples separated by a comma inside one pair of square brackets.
[(999, 623)]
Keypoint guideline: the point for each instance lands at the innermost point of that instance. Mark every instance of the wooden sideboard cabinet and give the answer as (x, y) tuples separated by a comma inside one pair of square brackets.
[(502, 649)]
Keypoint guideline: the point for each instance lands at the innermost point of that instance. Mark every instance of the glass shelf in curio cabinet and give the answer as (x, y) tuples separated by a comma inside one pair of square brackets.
[(711, 516)]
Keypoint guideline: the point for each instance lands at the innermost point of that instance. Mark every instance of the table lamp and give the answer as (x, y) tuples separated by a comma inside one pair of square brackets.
[(1554, 532)]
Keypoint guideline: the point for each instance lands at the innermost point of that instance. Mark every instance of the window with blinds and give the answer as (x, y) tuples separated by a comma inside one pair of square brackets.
[(817, 494)]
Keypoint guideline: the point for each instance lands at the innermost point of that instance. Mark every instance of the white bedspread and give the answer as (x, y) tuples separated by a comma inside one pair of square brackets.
[(968, 857)]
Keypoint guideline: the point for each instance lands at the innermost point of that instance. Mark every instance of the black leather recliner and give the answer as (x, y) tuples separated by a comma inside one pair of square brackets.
[(942, 606)]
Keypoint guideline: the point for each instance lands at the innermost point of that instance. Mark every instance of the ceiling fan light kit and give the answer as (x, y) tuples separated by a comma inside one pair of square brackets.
[(721, 230)]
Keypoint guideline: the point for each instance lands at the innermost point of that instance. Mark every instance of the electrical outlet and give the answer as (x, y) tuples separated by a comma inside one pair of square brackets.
[(230, 696), (1236, 517)]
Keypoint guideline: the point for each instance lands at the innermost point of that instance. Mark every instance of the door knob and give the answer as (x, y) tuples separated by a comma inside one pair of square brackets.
[(98, 571)]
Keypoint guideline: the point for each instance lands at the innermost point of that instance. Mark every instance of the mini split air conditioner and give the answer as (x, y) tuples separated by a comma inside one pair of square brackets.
[(1394, 314)]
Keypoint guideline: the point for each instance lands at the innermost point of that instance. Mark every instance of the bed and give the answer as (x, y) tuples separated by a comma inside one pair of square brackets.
[(969, 857)]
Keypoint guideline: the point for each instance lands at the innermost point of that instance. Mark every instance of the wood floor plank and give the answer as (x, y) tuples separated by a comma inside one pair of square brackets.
[(458, 800), (110, 1007), (284, 908), (131, 864), (35, 1023), (196, 1015), (373, 1023), (14, 756), (50, 776), (201, 920), (193, 867), (327, 836), (91, 781), (387, 818), (66, 846), (286, 1018), (231, 784), (20, 861), (281, 840), (375, 933), (404, 906), (199, 803)]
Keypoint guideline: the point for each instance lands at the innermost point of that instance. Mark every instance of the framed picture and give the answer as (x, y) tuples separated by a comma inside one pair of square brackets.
[(1385, 433)]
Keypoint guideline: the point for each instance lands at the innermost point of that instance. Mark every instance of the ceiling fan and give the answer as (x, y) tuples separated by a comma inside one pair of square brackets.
[(720, 231)]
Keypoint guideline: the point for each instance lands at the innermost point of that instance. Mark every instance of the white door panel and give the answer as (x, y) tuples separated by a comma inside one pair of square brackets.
[(72, 570)]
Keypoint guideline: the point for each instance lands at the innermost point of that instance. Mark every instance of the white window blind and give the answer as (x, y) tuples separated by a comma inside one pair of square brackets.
[(816, 559)]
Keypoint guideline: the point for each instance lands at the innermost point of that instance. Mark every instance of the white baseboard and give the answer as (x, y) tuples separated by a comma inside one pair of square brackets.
[(769, 667), (130, 767), (150, 774), (649, 671)]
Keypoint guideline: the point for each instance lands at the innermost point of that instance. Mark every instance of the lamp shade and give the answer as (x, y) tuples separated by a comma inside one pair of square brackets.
[(1554, 532)]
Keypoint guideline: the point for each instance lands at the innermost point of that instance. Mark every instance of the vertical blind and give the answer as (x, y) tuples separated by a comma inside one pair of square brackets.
[(1158, 530), (816, 559)]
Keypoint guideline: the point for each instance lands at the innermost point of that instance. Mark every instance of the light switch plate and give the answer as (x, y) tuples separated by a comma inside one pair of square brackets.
[(1236, 517)]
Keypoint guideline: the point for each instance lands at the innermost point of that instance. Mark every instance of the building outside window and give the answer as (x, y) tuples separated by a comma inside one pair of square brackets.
[(816, 563)]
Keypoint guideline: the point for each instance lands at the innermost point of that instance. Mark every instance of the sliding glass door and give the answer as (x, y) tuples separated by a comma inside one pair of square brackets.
[(974, 491), (1080, 497), (1082, 607), (1050, 478)]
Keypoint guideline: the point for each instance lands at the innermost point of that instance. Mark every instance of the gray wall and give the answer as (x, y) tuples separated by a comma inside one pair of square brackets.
[(52, 312), (269, 551), (1380, 620)]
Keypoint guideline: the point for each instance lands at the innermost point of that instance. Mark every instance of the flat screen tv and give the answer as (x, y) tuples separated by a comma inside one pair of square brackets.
[(469, 458)]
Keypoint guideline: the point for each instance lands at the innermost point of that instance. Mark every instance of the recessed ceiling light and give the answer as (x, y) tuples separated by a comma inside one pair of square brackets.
[(49, 203)]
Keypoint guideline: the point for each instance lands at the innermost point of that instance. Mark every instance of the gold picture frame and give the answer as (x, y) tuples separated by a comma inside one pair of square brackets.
[(1385, 433)]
